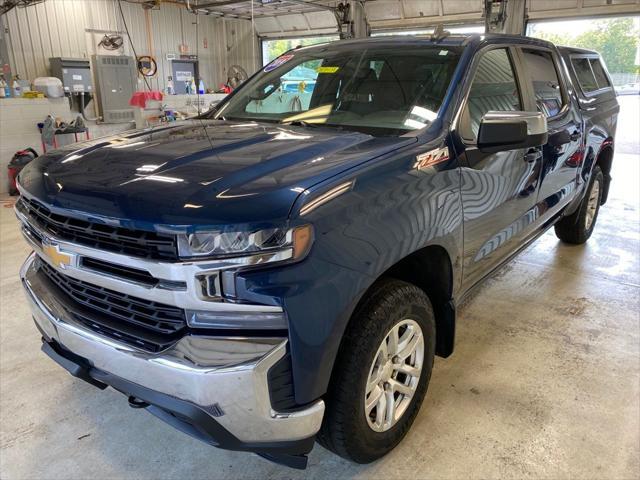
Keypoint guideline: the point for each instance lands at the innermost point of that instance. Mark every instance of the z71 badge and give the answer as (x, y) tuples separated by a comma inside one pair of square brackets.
[(431, 158)]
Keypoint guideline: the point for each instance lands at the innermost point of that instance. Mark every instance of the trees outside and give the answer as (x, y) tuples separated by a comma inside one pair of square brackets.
[(274, 48), (617, 40)]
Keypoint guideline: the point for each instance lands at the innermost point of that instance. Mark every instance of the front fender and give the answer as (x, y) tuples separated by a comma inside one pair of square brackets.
[(390, 209)]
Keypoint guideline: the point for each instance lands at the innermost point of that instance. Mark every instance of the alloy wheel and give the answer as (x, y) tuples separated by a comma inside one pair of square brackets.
[(592, 205), (394, 375)]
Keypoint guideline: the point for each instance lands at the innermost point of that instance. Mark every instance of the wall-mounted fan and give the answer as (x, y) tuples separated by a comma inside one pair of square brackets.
[(111, 42)]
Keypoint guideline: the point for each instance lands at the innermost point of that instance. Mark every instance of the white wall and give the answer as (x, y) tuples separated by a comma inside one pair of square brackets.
[(58, 28)]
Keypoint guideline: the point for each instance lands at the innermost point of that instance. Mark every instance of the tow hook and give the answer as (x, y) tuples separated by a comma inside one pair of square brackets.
[(136, 402)]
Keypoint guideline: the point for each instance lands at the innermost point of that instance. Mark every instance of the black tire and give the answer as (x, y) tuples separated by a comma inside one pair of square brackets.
[(573, 228), (345, 430)]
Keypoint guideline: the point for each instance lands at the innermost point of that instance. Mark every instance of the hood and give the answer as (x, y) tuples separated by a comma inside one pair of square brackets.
[(199, 172)]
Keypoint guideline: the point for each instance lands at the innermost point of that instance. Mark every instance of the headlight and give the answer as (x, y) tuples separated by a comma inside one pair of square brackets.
[(296, 241)]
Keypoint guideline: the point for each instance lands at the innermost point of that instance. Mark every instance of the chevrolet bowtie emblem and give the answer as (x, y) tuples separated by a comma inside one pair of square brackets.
[(57, 257)]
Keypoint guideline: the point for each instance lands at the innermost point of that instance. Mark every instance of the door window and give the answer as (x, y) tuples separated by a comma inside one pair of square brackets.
[(598, 72), (546, 86), (584, 73), (494, 87)]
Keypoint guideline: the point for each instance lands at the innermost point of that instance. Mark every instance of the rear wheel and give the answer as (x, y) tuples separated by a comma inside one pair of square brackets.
[(578, 227), (381, 374)]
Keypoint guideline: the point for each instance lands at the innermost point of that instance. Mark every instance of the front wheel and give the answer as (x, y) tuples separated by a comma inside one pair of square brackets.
[(578, 227), (381, 373)]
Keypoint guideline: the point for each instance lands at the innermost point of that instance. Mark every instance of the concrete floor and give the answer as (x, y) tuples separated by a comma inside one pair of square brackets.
[(544, 383)]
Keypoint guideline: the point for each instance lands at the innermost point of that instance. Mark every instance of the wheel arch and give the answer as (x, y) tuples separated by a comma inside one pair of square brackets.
[(431, 270), (605, 161)]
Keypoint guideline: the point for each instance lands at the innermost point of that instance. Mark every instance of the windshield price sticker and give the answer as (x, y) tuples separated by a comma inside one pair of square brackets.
[(278, 61), (327, 69)]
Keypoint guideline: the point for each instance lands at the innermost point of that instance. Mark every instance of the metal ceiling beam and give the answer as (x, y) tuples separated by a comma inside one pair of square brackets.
[(226, 3), (312, 4), (223, 3)]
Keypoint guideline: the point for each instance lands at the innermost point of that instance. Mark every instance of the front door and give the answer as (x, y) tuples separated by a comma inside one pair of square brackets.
[(498, 189)]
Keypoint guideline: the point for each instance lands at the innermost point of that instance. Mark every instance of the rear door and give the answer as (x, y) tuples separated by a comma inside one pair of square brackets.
[(498, 189), (563, 153), (598, 105)]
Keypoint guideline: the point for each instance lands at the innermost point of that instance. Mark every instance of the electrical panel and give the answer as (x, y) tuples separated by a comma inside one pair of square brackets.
[(74, 73), (115, 84)]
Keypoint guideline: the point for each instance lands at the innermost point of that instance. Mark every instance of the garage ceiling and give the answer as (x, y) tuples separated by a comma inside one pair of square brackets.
[(278, 18), (286, 18), (411, 13)]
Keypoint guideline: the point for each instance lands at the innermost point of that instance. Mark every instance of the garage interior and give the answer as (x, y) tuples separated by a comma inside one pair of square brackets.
[(545, 378)]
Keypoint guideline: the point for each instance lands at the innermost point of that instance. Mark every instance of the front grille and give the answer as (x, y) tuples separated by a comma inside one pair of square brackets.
[(135, 321), (120, 271), (137, 243)]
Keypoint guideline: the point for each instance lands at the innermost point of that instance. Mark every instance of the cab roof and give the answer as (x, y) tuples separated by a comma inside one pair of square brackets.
[(576, 50), (451, 40)]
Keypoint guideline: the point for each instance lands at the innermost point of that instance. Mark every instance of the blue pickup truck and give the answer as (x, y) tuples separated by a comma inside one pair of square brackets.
[(283, 269)]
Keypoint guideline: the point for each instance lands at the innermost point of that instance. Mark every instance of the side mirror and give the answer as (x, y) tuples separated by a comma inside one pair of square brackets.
[(501, 131)]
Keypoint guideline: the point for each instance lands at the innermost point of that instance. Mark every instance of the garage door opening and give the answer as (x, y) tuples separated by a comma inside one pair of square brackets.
[(617, 39), (274, 48)]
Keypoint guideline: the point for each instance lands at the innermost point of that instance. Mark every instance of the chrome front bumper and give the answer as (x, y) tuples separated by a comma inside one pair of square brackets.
[(225, 377)]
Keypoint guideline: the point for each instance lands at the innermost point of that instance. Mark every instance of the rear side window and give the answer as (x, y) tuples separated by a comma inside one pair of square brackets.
[(598, 72), (582, 67), (494, 87), (546, 85)]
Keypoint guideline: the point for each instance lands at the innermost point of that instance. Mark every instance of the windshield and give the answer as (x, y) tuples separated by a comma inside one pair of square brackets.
[(378, 90)]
